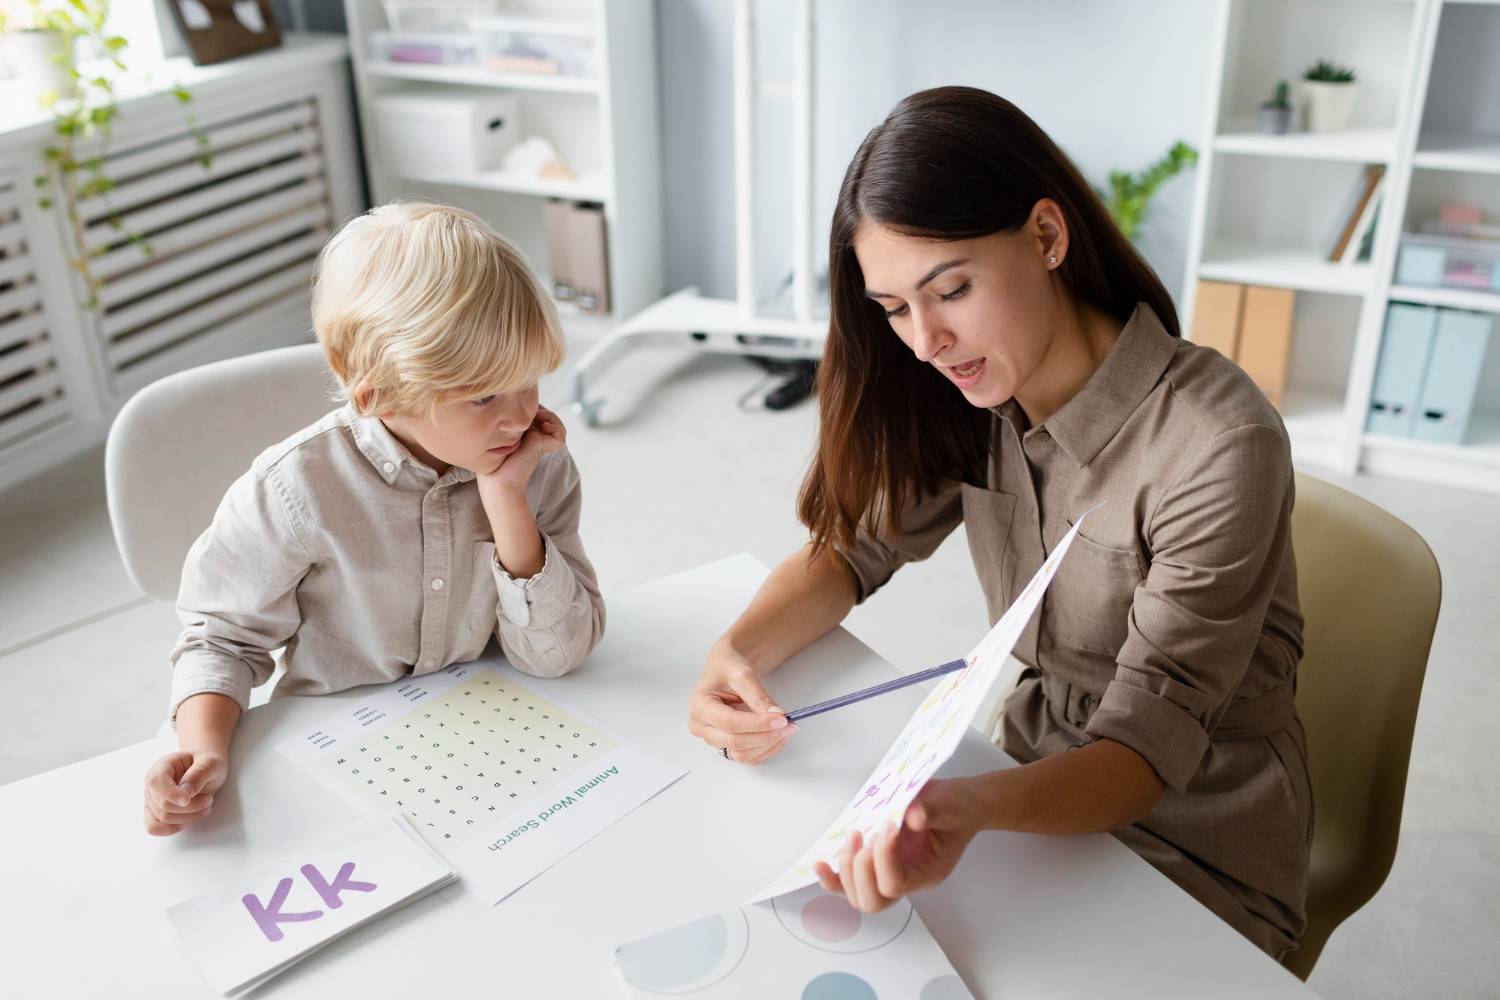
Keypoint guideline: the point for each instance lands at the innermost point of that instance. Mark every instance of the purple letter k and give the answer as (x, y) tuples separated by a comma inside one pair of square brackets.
[(267, 917), (341, 881)]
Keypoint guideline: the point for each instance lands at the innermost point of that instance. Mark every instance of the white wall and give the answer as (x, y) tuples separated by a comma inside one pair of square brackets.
[(1115, 82)]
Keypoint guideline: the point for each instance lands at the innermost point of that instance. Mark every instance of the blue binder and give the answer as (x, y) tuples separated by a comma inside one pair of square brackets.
[(1452, 380), (1402, 367)]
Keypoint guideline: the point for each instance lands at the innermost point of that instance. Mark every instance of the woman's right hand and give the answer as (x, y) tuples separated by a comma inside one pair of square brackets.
[(180, 789), (731, 709)]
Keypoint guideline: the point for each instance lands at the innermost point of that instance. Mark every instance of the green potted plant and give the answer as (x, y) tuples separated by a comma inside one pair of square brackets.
[(81, 99), (1275, 116), (37, 41), (1330, 90), (1130, 194)]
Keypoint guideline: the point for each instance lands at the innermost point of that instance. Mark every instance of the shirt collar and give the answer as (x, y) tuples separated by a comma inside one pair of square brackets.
[(387, 454), (1086, 423)]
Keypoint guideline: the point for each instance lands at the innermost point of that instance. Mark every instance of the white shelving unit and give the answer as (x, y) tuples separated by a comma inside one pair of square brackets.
[(1265, 206), (742, 325), (604, 125)]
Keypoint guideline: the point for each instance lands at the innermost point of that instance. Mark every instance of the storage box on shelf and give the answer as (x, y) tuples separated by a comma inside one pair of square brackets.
[(1449, 262), (435, 132)]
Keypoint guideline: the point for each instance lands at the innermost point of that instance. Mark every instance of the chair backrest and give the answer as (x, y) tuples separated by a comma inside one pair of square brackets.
[(1370, 590), (178, 444)]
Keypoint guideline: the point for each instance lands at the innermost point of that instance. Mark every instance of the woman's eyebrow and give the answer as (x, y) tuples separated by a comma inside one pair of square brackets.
[(939, 269)]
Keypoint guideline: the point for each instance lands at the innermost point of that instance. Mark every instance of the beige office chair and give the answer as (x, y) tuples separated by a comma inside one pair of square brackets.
[(1370, 590), (178, 444)]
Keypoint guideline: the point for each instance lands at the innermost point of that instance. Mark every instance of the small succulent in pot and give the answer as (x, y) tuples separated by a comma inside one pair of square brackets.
[(1330, 91), (1275, 116)]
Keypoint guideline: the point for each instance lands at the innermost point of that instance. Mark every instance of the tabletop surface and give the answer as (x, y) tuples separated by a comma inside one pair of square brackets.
[(1022, 916)]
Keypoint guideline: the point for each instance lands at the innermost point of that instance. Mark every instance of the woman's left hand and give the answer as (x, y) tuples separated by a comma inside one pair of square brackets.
[(919, 854)]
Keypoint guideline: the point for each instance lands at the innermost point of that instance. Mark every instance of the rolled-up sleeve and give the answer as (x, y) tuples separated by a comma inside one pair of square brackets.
[(547, 624), (238, 597), (875, 557), (1218, 540)]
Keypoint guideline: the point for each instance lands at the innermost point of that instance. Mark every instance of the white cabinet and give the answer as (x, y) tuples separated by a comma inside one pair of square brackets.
[(591, 94), (192, 262)]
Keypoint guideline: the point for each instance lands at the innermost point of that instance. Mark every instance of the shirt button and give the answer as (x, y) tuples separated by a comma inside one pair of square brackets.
[(437, 584), (389, 467)]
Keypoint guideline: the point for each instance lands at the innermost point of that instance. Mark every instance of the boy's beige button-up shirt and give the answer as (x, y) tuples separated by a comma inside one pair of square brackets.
[(366, 566), (1172, 626)]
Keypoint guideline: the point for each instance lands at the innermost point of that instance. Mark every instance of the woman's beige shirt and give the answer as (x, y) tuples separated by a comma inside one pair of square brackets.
[(1172, 626)]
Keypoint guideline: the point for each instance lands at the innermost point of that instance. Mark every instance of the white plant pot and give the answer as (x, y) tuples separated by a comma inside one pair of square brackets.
[(40, 62), (1329, 105)]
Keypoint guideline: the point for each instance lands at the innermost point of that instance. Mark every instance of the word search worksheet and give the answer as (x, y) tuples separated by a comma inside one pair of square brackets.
[(499, 778)]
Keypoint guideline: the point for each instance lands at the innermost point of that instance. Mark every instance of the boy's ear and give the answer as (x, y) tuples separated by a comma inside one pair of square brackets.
[(361, 393)]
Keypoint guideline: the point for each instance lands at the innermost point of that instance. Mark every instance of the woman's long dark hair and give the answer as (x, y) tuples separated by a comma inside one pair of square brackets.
[(951, 163)]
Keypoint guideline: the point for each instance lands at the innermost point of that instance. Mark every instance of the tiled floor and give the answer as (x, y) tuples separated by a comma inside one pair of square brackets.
[(680, 476)]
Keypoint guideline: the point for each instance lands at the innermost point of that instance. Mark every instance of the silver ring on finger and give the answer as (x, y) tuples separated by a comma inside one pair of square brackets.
[(724, 752)]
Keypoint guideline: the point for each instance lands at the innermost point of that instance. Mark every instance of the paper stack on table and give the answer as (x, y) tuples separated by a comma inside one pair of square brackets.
[(500, 776), (806, 944), (252, 929)]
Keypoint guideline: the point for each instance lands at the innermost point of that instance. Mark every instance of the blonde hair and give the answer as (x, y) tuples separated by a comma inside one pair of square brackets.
[(423, 303)]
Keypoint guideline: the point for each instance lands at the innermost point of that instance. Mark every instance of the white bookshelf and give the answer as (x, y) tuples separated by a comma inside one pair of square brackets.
[(1365, 145), (603, 123), (472, 77), (1265, 205), (1461, 151)]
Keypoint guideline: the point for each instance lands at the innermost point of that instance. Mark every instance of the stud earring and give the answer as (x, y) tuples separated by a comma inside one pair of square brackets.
[(1052, 260)]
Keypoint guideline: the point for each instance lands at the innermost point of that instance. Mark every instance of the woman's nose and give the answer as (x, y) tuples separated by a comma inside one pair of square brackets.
[(928, 337)]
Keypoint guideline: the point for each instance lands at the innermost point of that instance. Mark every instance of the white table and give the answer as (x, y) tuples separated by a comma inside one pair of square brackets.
[(84, 888)]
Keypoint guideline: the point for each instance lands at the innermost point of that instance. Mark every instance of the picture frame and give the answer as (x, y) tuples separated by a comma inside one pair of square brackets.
[(216, 30)]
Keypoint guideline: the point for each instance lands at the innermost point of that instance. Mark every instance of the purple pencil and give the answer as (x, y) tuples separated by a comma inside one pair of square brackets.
[(878, 689)]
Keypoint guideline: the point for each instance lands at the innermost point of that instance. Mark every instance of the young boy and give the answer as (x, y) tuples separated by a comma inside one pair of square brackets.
[(393, 537)]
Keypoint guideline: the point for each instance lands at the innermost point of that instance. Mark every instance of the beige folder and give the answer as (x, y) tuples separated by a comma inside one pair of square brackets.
[(589, 253), (558, 217), (1266, 338), (1216, 316)]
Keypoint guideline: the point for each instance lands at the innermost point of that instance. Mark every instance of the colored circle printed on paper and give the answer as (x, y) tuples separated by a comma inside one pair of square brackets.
[(829, 918), (838, 986), (687, 958)]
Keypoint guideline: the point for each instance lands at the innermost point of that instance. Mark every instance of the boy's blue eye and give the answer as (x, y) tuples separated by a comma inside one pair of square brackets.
[(484, 400)]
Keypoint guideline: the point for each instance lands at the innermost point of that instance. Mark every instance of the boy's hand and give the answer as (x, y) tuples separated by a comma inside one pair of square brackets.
[(545, 436), (180, 789)]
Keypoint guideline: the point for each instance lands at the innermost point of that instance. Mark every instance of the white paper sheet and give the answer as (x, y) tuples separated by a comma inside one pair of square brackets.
[(501, 779), (243, 933), (806, 944), (929, 737)]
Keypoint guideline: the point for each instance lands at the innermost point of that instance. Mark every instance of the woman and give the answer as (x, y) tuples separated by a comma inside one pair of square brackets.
[(1000, 356)]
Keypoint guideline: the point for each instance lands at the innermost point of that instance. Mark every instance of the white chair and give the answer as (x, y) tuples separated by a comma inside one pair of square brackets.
[(178, 444)]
